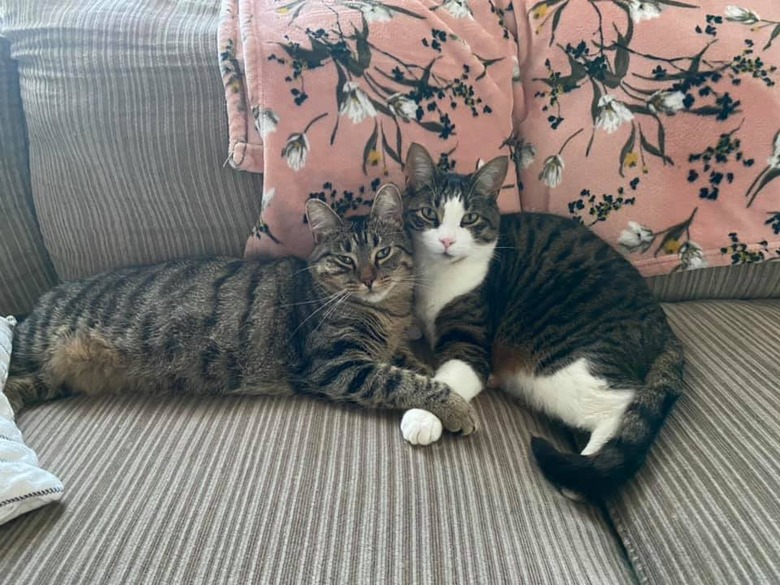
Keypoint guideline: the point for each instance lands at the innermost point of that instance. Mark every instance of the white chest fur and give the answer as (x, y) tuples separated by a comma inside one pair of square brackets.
[(439, 284)]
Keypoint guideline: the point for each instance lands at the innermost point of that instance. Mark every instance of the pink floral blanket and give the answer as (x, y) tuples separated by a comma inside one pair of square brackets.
[(654, 122), (324, 97)]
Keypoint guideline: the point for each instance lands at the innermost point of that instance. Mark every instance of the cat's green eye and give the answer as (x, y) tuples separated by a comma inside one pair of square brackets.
[(345, 260), (469, 219), (383, 253), (428, 213)]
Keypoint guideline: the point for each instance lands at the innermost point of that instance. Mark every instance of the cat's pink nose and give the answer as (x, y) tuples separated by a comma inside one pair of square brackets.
[(369, 282), (447, 242)]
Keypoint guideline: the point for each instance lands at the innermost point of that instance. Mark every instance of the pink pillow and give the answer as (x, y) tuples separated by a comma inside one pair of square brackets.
[(325, 99), (656, 123)]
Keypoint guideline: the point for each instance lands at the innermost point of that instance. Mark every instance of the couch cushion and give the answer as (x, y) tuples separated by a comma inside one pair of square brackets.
[(705, 507), (25, 271), (126, 121), (284, 490), (746, 281)]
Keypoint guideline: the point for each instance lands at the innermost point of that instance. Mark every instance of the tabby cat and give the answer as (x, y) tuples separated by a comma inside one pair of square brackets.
[(559, 318), (332, 326)]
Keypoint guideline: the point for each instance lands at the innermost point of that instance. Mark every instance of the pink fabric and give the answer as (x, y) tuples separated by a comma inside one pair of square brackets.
[(635, 124), (324, 98), (656, 123)]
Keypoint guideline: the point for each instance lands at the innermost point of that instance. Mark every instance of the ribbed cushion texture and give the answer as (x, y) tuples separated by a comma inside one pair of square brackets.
[(706, 508), (25, 271), (745, 281), (181, 490), (126, 123), (126, 128)]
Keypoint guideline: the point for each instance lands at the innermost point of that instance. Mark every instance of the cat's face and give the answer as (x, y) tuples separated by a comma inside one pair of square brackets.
[(451, 216), (367, 258)]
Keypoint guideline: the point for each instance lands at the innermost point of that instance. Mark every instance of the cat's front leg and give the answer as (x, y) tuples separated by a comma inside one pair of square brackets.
[(405, 358), (354, 378), (421, 427), (461, 349)]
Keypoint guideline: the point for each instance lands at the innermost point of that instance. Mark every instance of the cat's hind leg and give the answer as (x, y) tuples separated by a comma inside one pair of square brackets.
[(623, 425), (86, 362)]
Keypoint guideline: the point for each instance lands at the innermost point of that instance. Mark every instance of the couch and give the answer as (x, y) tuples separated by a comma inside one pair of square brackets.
[(112, 144)]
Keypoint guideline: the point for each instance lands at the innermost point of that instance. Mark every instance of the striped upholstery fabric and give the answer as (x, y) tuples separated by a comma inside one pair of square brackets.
[(25, 271), (295, 491), (127, 131), (746, 281), (705, 509)]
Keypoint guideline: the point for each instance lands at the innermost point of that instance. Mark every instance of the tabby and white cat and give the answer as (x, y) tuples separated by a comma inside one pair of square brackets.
[(559, 317), (332, 326)]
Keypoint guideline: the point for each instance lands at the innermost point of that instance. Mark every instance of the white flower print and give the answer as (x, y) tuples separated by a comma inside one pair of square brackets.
[(691, 256), (516, 76), (266, 120), (402, 106), (612, 114), (372, 10), (356, 105), (267, 197), (296, 150), (666, 102), (552, 171), (526, 155), (458, 8), (635, 237), (642, 10), (774, 160), (739, 14)]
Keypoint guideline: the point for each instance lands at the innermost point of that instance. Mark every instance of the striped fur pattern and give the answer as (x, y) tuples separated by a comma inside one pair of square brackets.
[(559, 318), (331, 327)]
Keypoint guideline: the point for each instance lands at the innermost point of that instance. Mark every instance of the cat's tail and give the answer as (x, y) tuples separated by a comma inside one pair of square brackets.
[(598, 475)]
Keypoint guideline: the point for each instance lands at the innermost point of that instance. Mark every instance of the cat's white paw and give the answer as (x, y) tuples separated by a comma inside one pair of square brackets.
[(420, 427), (461, 377)]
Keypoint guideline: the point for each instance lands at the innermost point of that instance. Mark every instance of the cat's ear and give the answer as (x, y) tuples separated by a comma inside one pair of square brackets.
[(322, 219), (388, 205), (419, 167), (490, 177)]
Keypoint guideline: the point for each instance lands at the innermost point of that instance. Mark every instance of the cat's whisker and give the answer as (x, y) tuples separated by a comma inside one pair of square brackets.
[(415, 281), (331, 311), (298, 304), (304, 269), (311, 302), (332, 299)]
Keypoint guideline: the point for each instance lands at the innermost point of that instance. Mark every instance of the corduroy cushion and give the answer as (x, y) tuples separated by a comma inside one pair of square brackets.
[(705, 509), (126, 120), (265, 490), (747, 281), (24, 266)]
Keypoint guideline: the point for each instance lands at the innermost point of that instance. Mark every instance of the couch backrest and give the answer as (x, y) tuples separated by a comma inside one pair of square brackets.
[(127, 139), (25, 271)]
